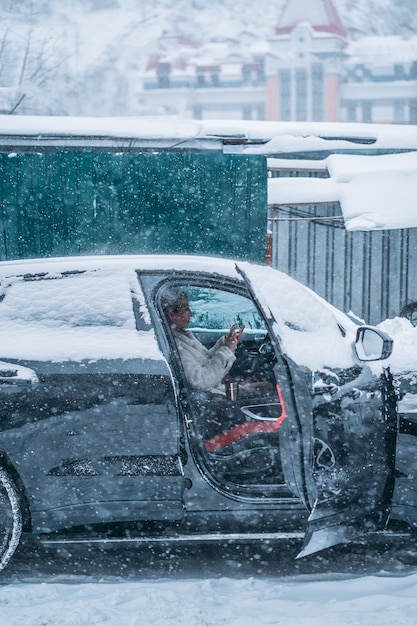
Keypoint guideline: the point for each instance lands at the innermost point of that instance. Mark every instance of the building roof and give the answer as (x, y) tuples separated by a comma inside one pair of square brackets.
[(320, 14)]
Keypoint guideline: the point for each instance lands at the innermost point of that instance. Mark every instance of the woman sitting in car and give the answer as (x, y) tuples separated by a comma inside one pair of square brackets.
[(204, 368)]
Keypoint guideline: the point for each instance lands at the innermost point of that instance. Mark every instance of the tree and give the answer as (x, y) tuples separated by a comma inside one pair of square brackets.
[(31, 62)]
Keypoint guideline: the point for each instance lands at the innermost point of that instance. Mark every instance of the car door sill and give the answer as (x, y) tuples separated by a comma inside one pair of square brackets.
[(174, 538)]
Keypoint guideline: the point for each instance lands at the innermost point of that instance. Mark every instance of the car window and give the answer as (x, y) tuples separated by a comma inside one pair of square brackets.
[(235, 406)]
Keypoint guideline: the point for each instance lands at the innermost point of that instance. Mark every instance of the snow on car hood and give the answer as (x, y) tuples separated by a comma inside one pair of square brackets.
[(312, 332)]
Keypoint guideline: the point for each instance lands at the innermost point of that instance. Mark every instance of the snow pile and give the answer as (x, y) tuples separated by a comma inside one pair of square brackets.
[(404, 354), (376, 192)]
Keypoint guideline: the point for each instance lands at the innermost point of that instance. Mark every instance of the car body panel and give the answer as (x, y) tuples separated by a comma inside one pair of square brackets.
[(83, 441)]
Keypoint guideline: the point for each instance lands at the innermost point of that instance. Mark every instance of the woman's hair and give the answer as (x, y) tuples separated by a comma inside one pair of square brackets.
[(172, 298)]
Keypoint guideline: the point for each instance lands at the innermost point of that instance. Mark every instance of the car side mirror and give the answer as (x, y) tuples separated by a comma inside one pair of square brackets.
[(372, 344)]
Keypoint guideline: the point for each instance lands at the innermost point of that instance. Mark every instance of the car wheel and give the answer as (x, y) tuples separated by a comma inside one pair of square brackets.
[(10, 518)]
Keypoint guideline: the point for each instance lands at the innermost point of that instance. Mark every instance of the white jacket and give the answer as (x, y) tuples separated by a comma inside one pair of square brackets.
[(204, 369)]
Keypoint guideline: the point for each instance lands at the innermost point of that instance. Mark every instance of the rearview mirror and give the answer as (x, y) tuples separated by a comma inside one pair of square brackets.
[(372, 344)]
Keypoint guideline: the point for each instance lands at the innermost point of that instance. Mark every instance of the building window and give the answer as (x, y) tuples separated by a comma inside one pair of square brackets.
[(260, 112), (359, 73), (215, 77), (201, 78), (253, 112), (285, 95), (260, 73), (367, 112), (253, 74), (301, 95), (399, 113), (246, 74), (413, 112), (317, 92), (247, 112), (163, 74), (208, 77), (399, 71), (351, 112)]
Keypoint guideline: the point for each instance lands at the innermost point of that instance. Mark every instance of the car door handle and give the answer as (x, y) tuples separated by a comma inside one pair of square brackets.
[(256, 411)]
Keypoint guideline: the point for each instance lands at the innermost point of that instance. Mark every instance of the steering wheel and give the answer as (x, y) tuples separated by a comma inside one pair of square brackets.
[(264, 357)]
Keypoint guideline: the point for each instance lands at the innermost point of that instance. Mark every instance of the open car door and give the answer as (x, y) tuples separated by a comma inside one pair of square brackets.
[(341, 435)]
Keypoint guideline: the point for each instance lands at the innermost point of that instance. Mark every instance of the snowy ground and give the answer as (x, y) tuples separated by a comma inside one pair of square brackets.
[(248, 602), (239, 586)]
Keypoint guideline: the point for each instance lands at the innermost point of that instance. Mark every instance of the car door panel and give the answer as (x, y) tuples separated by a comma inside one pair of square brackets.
[(355, 488), (96, 440), (296, 431), (232, 446), (352, 495)]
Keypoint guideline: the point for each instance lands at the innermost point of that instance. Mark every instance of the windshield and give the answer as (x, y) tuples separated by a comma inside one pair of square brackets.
[(218, 309)]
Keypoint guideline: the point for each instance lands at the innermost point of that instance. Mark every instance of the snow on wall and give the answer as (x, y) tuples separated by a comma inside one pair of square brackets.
[(374, 192)]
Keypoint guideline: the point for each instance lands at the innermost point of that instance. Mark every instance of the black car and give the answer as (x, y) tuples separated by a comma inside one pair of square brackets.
[(102, 434)]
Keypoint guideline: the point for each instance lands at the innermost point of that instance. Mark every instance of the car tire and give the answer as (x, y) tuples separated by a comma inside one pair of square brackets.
[(11, 521)]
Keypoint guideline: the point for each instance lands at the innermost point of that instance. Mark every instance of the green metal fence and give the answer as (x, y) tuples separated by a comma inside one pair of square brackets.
[(70, 202)]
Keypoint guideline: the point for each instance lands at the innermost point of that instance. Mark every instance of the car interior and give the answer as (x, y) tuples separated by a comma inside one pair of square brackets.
[(235, 435)]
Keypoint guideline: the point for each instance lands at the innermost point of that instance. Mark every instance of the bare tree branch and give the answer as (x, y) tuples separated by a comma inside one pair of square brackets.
[(25, 58), (18, 103)]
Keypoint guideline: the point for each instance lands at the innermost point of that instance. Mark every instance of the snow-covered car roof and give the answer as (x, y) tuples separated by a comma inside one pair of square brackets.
[(119, 262), (76, 319)]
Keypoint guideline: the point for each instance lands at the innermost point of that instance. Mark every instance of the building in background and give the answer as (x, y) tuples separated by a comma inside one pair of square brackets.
[(380, 80), (304, 67), (311, 69), (220, 79)]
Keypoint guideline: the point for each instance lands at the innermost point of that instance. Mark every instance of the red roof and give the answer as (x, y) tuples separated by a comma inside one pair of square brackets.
[(320, 14)]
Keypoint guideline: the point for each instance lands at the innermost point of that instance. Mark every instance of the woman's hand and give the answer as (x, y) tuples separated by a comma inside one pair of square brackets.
[(232, 339)]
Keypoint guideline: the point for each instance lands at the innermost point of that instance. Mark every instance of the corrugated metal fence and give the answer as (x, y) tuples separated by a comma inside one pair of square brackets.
[(90, 202), (372, 273)]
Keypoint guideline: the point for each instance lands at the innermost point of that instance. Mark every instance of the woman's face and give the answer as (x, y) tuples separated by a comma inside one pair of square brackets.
[(180, 315)]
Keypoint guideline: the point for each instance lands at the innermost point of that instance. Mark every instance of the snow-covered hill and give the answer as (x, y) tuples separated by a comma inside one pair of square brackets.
[(226, 18)]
